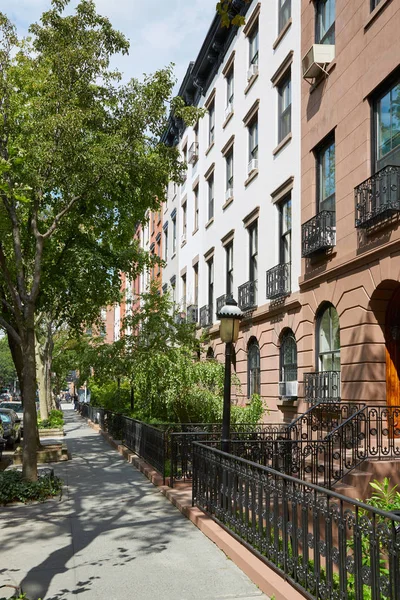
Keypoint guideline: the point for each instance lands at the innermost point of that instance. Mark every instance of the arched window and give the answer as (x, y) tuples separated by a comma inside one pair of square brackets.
[(253, 368), (328, 340), (288, 357), (210, 354)]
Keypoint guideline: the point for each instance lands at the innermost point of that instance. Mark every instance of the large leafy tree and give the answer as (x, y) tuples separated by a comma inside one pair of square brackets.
[(80, 162), (7, 368)]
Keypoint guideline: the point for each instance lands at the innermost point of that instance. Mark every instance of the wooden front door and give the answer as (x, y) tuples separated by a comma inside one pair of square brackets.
[(392, 337)]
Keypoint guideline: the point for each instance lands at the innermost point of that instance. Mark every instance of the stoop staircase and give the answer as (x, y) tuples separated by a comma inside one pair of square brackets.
[(343, 446)]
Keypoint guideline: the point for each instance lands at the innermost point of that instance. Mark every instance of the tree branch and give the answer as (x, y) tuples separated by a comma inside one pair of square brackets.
[(10, 330)]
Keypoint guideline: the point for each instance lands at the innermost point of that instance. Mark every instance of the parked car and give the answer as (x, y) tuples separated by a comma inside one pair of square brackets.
[(11, 426), (2, 440), (16, 407)]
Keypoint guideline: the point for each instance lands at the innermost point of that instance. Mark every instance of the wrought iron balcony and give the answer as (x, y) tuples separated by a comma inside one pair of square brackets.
[(378, 197), (278, 281), (192, 313), (247, 295), (193, 153), (206, 313), (319, 233), (221, 301), (322, 387)]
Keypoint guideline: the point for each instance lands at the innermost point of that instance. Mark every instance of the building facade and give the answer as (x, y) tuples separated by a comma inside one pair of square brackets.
[(233, 226), (348, 329)]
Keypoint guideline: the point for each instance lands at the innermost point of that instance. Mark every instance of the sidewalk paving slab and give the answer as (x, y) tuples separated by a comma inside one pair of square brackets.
[(113, 536)]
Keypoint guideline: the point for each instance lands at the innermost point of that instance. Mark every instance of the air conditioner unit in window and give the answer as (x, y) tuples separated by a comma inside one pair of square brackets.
[(229, 194), (228, 110), (288, 389), (252, 166), (316, 60), (253, 70)]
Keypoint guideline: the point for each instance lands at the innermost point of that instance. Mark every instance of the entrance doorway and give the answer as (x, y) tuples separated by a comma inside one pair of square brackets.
[(392, 338)]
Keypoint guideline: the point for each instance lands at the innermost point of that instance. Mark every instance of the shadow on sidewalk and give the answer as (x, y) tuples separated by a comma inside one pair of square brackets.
[(104, 498)]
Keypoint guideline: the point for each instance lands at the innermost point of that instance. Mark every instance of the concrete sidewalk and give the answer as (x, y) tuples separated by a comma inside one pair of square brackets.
[(113, 536)]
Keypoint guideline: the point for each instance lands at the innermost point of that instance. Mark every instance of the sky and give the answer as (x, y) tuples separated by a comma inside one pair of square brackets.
[(160, 31)]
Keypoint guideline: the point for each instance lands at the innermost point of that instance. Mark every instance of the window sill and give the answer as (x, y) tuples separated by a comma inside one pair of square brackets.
[(250, 83), (210, 147), (251, 176), (173, 256), (209, 222), (195, 230), (282, 144), (282, 34), (228, 118), (374, 14), (183, 244), (227, 203)]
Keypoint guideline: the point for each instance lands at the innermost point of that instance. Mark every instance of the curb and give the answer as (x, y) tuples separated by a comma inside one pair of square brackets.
[(267, 580)]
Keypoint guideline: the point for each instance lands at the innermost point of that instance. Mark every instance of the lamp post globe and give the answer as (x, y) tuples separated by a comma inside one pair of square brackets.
[(230, 316)]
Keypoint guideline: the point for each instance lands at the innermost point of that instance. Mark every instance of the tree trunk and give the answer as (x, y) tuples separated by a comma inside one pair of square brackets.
[(49, 346), (29, 456), (41, 378), (16, 354)]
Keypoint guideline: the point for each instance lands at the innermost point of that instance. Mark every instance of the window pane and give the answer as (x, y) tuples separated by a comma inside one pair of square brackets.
[(325, 332), (326, 22)]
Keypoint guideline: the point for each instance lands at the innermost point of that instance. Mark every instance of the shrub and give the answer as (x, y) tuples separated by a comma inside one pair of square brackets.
[(55, 420), (13, 488)]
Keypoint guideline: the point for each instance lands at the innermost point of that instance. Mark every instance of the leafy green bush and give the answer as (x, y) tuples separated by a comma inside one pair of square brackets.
[(55, 420), (13, 488)]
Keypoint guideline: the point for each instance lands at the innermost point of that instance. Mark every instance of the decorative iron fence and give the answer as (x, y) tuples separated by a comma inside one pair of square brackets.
[(180, 443), (145, 440), (323, 386), (278, 281), (327, 545), (247, 295), (319, 233), (378, 197), (322, 418)]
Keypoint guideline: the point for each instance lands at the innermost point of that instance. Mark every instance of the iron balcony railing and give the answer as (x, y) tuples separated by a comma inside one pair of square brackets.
[(221, 301), (278, 281), (319, 233), (322, 387), (378, 197), (192, 313), (247, 295), (193, 153), (206, 315)]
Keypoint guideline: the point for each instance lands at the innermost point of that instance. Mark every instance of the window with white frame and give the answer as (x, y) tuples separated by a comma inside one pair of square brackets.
[(210, 196), (229, 171), (173, 219), (166, 243), (284, 107), (285, 11), (184, 221), (253, 46), (253, 139), (229, 269), (196, 208), (230, 80), (211, 123)]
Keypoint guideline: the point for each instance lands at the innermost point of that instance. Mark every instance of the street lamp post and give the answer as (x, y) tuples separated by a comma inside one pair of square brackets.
[(229, 315)]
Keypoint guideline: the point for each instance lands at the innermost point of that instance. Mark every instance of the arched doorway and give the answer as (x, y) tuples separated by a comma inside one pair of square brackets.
[(392, 339)]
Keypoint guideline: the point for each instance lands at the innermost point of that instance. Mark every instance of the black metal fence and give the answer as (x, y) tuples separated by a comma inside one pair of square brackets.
[(145, 440), (319, 233), (180, 443), (327, 545)]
